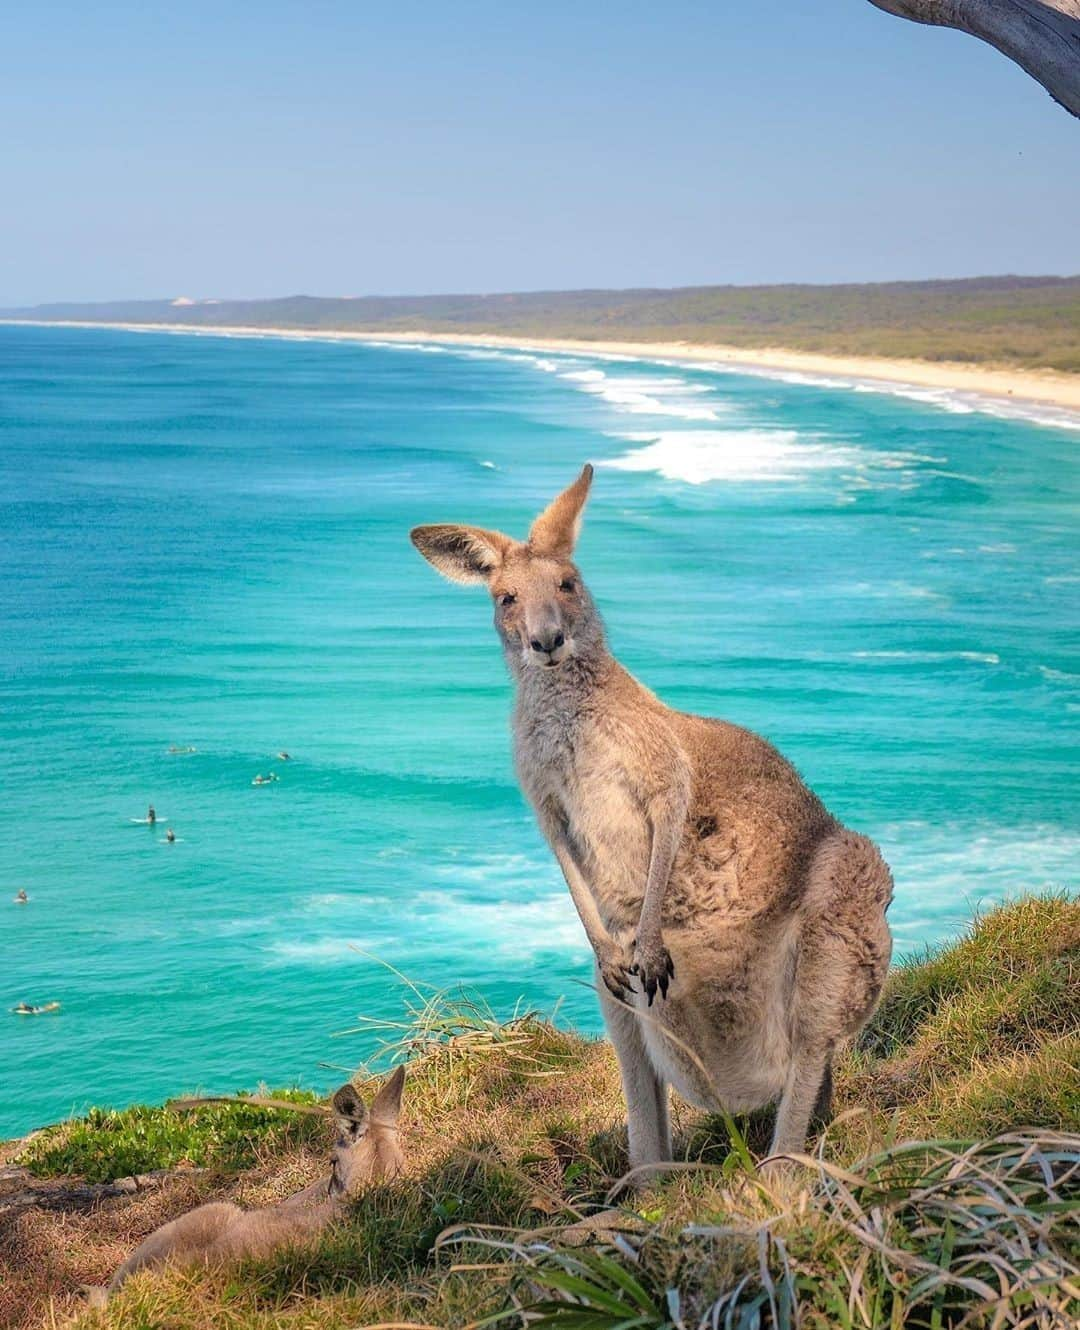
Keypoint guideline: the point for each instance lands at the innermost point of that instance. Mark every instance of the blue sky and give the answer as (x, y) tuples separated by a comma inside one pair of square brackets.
[(346, 148)]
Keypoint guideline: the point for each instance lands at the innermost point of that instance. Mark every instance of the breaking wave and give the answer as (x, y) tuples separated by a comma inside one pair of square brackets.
[(699, 456)]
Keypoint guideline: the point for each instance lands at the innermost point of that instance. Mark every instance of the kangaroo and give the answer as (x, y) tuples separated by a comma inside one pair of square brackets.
[(700, 864), (366, 1150)]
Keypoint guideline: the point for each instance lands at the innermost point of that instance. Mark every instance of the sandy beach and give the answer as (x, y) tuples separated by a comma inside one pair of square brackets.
[(1045, 387)]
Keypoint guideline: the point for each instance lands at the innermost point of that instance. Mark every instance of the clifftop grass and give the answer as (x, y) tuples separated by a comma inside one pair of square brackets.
[(514, 1136)]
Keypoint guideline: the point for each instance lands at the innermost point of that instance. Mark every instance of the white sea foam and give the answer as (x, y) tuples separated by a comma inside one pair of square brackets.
[(890, 590), (429, 348), (959, 402), (315, 951), (947, 871), (931, 657), (325, 900), (956, 401), (647, 394), (513, 929), (953, 400), (699, 456), (1058, 676), (946, 399), (639, 394)]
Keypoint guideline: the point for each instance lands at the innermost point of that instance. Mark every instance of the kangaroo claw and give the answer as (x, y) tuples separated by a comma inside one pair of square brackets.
[(617, 979), (653, 966)]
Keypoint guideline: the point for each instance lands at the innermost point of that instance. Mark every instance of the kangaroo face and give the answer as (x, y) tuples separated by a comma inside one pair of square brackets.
[(543, 613), (366, 1147), (539, 607)]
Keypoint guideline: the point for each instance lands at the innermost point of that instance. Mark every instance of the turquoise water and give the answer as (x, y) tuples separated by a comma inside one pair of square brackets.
[(204, 542)]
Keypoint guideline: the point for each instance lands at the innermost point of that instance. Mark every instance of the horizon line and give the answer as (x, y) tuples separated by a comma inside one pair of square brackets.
[(180, 301)]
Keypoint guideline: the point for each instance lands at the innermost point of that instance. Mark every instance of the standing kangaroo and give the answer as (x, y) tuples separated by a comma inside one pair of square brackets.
[(365, 1150), (699, 862)]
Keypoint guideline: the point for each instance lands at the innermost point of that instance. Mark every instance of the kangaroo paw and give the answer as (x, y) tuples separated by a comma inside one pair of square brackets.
[(653, 966)]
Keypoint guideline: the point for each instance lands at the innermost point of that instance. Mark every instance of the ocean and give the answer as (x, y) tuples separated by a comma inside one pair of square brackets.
[(204, 546)]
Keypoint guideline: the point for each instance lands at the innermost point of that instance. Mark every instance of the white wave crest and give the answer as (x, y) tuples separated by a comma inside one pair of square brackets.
[(699, 456), (956, 401), (1058, 676), (931, 657), (646, 394)]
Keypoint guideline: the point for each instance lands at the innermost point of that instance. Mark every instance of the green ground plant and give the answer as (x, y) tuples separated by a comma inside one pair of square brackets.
[(109, 1144)]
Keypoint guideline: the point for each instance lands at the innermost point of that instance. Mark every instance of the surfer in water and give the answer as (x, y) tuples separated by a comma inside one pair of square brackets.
[(284, 757), (170, 836), (21, 897), (151, 816)]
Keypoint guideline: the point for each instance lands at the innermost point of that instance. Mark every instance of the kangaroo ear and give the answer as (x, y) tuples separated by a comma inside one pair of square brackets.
[(349, 1107), (461, 553), (555, 532), (386, 1106)]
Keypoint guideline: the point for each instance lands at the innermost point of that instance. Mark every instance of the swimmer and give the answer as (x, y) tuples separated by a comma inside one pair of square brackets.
[(21, 897), (284, 757), (170, 836), (151, 816)]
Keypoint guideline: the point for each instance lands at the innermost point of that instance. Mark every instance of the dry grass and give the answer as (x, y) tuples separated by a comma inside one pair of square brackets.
[(516, 1128), (921, 1234)]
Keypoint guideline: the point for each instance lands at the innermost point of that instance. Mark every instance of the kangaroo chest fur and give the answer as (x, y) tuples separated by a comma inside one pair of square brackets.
[(600, 764), (573, 760)]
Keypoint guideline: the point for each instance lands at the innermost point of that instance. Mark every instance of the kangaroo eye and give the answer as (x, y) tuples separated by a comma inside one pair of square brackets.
[(508, 599), (567, 584)]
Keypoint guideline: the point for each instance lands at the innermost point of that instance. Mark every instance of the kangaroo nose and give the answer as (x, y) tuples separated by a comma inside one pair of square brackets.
[(552, 644)]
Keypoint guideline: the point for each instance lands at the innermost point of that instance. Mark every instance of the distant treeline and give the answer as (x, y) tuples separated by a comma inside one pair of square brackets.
[(1026, 321)]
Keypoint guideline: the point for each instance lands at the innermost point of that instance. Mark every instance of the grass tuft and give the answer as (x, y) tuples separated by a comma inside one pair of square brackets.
[(925, 1235)]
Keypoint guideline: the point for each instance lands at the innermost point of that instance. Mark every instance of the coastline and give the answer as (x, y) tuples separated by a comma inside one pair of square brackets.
[(1028, 386)]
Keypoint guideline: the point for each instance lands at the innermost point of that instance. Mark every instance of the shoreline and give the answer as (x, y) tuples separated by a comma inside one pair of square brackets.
[(1048, 388)]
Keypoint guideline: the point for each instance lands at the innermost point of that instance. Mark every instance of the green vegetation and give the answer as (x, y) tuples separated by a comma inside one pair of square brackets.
[(109, 1144), (947, 1186), (1032, 322)]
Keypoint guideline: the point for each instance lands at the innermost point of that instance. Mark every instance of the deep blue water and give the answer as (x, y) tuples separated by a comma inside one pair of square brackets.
[(203, 542)]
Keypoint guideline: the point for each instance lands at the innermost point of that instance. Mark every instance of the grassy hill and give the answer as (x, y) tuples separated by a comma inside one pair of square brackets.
[(948, 1184), (1022, 321)]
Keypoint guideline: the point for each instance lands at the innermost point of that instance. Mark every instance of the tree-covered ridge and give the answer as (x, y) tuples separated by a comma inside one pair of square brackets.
[(1033, 322)]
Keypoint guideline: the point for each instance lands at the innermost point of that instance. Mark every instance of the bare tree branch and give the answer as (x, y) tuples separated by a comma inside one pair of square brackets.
[(1042, 36)]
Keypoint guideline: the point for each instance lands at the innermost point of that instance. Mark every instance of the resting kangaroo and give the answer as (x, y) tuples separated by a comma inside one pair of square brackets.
[(366, 1150), (699, 862)]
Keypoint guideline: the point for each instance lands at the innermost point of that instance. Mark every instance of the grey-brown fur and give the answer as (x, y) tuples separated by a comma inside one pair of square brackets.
[(366, 1150), (700, 864)]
